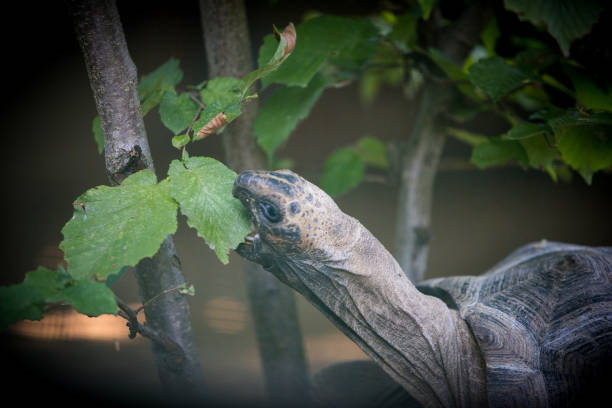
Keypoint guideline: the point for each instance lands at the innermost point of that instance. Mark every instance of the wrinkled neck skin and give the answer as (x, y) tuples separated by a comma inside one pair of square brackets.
[(426, 347)]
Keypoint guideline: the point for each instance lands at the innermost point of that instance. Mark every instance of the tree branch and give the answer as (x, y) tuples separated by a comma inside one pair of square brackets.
[(420, 155), (135, 327), (228, 50), (113, 79)]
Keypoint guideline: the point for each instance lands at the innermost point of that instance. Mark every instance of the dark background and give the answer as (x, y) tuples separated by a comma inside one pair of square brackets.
[(50, 157)]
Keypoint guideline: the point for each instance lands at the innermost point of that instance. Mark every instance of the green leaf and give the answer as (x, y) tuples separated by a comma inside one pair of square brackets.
[(47, 282), (153, 86), (497, 151), (284, 108), (347, 42), (495, 77), (559, 120), (588, 93), (180, 140), (540, 154), (114, 278), (177, 111), (342, 171), (203, 188), (117, 226), (427, 6), (567, 20), (19, 302), (222, 90), (187, 290), (489, 36), (27, 300), (404, 33), (98, 135), (477, 53), (523, 130), (90, 297), (534, 60), (166, 76), (272, 56), (373, 152), (585, 142)]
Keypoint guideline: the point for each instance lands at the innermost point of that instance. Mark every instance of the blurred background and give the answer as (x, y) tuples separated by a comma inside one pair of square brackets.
[(50, 158)]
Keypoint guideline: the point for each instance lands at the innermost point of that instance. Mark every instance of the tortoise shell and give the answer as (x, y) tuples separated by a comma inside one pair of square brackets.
[(542, 318)]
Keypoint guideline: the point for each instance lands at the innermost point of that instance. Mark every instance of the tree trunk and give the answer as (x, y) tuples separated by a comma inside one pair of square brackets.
[(113, 80), (228, 50), (420, 156)]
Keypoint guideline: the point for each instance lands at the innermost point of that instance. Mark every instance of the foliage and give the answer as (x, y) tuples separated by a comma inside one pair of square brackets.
[(566, 20), (113, 228), (198, 183), (44, 287), (117, 226), (282, 111), (555, 108)]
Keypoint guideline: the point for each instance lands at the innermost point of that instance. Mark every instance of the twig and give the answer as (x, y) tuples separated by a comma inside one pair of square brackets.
[(148, 302), (201, 107), (196, 100), (135, 327)]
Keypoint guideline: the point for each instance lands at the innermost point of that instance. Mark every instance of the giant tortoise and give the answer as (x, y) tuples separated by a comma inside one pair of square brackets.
[(533, 331)]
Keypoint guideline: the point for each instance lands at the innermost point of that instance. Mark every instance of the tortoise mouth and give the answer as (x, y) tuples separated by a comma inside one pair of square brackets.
[(245, 198), (253, 241), (255, 246)]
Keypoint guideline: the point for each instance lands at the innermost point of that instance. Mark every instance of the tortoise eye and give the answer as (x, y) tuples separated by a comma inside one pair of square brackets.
[(270, 211)]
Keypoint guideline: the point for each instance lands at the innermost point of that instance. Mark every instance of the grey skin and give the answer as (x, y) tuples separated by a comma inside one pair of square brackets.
[(533, 331)]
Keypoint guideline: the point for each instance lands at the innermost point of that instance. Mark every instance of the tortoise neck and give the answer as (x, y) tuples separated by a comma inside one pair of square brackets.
[(423, 345)]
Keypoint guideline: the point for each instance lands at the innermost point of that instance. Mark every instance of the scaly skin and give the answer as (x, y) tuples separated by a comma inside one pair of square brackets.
[(338, 265)]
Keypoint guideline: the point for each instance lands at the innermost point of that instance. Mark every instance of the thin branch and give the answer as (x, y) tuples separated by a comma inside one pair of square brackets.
[(195, 118), (196, 100), (135, 327)]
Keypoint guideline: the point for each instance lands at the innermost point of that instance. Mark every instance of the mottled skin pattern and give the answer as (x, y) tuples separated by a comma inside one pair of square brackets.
[(308, 213), (525, 334)]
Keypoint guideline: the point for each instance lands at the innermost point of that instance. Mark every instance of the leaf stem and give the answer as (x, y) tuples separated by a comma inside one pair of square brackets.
[(148, 302)]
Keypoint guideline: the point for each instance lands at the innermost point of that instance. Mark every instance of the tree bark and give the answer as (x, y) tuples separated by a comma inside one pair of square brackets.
[(113, 80), (228, 50), (419, 159), (420, 155)]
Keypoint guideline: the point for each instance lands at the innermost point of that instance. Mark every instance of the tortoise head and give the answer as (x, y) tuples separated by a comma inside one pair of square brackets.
[(291, 218)]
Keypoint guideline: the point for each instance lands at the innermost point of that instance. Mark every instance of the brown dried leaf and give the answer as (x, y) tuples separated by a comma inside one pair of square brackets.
[(290, 36), (211, 127)]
